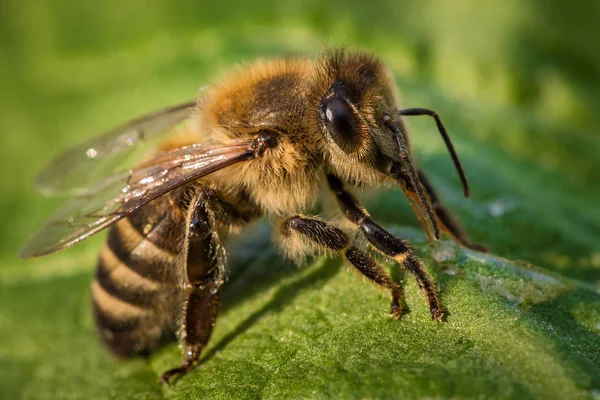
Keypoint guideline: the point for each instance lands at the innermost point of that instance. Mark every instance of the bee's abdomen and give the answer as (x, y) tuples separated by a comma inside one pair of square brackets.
[(136, 293)]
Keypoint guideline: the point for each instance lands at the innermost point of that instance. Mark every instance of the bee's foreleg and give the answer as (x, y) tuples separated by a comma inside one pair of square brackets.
[(386, 243), (327, 237), (448, 221)]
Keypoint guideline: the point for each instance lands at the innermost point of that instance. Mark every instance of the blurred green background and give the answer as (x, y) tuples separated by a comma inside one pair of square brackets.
[(518, 86)]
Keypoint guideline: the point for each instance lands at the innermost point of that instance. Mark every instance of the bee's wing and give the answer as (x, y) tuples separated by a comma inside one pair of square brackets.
[(89, 167), (86, 215)]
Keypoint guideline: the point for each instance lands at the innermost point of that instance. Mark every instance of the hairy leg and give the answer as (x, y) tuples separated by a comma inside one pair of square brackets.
[(202, 258), (386, 243), (325, 236)]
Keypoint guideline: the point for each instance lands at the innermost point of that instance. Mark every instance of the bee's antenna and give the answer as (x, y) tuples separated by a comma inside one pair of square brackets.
[(444, 133), (408, 166)]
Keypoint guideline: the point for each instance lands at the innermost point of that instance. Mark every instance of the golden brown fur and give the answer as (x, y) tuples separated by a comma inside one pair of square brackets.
[(283, 95)]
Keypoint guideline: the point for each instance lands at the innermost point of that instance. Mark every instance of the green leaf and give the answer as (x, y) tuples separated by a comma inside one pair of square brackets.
[(517, 88)]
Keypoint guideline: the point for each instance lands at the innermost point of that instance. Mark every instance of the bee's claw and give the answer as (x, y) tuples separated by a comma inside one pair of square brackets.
[(398, 308), (167, 376), (437, 314)]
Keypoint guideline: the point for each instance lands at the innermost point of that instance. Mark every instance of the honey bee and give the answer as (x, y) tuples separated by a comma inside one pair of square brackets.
[(259, 143)]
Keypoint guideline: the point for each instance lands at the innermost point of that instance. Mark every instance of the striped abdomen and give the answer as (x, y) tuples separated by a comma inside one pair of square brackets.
[(137, 295)]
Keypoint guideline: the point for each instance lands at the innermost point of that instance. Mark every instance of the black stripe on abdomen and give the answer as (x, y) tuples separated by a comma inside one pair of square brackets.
[(122, 282), (134, 278), (115, 314)]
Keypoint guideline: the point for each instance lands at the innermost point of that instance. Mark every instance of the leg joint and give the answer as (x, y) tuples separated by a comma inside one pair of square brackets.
[(351, 207), (318, 231), (384, 241)]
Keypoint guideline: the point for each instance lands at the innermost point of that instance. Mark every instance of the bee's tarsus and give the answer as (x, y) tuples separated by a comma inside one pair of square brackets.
[(186, 366)]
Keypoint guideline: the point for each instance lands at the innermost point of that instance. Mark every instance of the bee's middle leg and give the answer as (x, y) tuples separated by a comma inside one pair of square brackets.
[(327, 237)]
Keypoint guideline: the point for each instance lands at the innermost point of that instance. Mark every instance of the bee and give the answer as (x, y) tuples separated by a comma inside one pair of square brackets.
[(262, 142)]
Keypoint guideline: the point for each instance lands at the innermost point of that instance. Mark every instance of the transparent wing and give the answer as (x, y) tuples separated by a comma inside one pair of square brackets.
[(85, 215), (89, 167)]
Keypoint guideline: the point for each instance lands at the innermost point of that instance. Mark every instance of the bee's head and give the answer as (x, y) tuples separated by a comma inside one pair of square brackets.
[(357, 112), (362, 125)]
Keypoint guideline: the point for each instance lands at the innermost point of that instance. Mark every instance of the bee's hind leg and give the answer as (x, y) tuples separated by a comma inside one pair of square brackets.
[(327, 237), (202, 256), (200, 315)]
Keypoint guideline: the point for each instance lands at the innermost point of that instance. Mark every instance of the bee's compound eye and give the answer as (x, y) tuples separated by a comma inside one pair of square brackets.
[(342, 124)]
